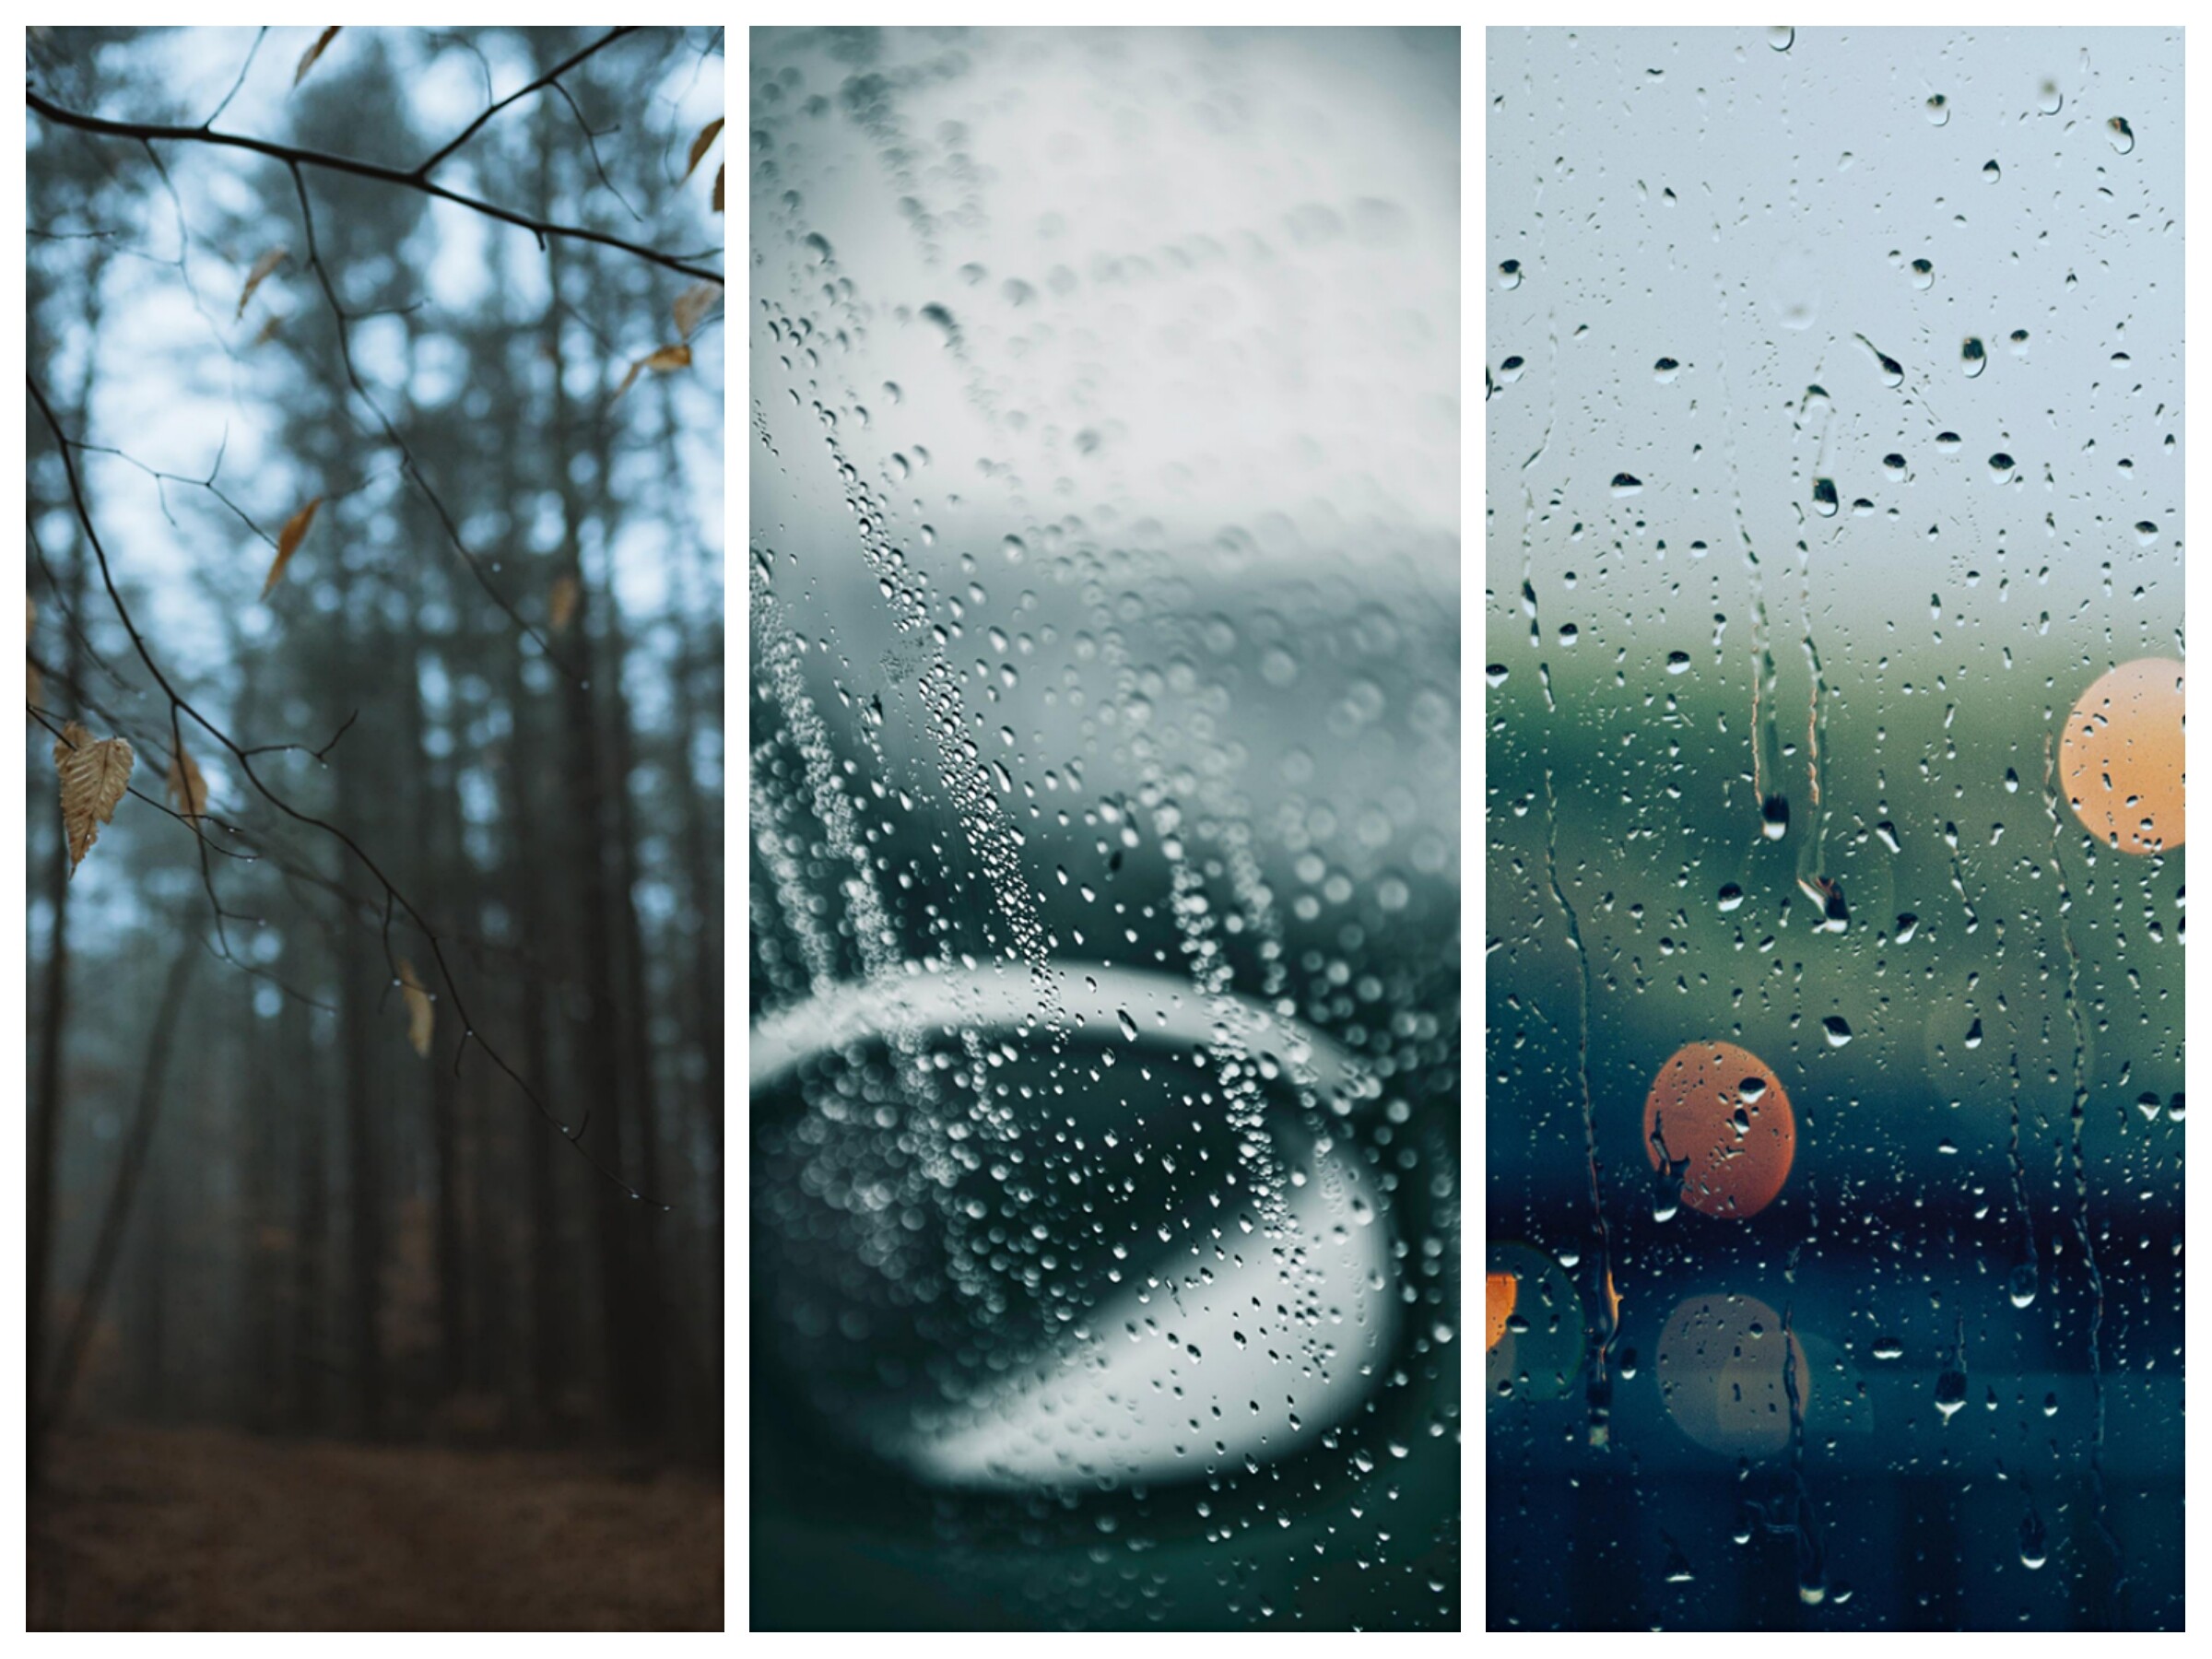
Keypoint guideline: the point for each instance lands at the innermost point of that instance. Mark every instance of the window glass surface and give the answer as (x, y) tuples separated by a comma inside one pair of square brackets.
[(1105, 871), (1835, 851)]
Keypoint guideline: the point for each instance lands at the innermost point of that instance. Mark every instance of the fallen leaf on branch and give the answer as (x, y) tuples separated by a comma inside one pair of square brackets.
[(563, 603), (94, 775), (421, 1017), (694, 303), (666, 360), (288, 542), (313, 53), (700, 145), (259, 274), (187, 788)]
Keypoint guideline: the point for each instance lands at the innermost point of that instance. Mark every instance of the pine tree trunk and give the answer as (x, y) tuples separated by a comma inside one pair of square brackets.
[(54, 1013), (622, 1328), (362, 969), (310, 1225)]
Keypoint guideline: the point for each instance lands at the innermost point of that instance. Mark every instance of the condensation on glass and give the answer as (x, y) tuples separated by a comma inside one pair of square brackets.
[(1835, 844), (1105, 864)]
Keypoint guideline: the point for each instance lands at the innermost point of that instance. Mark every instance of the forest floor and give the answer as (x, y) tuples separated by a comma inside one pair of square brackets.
[(206, 1529)]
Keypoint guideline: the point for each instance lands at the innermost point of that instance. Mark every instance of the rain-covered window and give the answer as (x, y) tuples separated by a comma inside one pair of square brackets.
[(1105, 1048), (1834, 857)]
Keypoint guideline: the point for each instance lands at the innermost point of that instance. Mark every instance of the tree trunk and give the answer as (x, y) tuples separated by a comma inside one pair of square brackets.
[(54, 1013), (311, 1226), (361, 971), (138, 1143), (627, 1325)]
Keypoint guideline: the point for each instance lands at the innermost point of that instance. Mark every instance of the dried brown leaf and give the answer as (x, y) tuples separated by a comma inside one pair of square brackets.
[(562, 605), (288, 542), (269, 328), (666, 360), (315, 51), (694, 303), (259, 274), (187, 788), (94, 773), (421, 1017), (718, 190), (700, 145)]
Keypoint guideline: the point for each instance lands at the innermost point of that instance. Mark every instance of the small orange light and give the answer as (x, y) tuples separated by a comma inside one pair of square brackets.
[(1500, 1290), (1721, 1116), (2121, 763)]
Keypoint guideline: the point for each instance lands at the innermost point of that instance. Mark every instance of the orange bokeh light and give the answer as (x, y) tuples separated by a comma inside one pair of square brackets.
[(1722, 1114), (2120, 762), (1500, 1290)]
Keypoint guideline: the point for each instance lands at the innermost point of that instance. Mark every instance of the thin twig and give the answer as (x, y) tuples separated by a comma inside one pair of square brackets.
[(242, 70), (551, 76)]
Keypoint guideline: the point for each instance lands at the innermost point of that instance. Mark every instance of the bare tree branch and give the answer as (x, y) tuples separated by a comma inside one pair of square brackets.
[(295, 156)]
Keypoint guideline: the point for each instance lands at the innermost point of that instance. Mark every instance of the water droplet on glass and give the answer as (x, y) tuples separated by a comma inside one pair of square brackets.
[(2035, 1545), (1950, 1394)]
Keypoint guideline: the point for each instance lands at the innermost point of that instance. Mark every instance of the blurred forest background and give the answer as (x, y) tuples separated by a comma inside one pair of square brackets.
[(375, 1048)]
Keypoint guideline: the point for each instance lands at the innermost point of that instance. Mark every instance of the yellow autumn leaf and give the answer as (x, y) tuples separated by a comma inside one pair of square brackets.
[(288, 542), (187, 788), (700, 145), (315, 51), (694, 303), (94, 774), (259, 274), (562, 605), (668, 359), (421, 1017), (718, 190)]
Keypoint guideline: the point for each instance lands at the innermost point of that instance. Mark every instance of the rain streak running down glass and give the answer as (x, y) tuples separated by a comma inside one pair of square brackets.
[(1834, 844), (1104, 1048)]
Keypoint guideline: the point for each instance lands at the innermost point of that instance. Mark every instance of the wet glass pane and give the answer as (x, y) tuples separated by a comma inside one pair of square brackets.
[(1105, 840), (1835, 846)]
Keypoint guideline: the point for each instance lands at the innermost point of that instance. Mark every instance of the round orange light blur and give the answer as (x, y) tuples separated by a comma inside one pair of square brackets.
[(1721, 1111), (1499, 1289), (2121, 761)]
